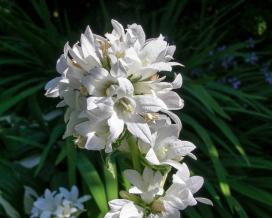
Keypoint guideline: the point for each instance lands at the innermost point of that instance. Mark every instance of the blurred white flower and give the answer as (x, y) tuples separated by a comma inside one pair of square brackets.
[(62, 204)]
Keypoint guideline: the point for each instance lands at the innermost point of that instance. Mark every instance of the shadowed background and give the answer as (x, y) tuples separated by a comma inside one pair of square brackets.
[(226, 48)]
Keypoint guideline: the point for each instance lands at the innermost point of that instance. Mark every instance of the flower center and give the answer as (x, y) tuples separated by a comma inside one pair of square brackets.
[(150, 117), (124, 106), (80, 141), (120, 54), (161, 152)]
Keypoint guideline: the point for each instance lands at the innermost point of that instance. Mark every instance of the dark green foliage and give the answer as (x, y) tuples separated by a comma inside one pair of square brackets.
[(227, 112)]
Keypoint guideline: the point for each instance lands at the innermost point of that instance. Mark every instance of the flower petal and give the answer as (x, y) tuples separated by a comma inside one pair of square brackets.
[(134, 178), (140, 130), (195, 183), (125, 87), (152, 157), (177, 83), (172, 100), (204, 201), (116, 126)]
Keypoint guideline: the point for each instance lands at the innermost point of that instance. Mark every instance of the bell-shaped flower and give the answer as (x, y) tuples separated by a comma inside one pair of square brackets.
[(148, 186), (125, 109), (152, 57), (162, 90), (180, 194), (166, 148)]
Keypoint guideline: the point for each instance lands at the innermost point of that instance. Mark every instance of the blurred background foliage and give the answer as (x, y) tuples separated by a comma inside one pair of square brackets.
[(226, 47)]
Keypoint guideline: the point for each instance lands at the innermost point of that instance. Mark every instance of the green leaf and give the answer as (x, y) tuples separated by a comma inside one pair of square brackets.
[(252, 192), (54, 136), (228, 134), (214, 155), (71, 152), (9, 209), (15, 89), (7, 104), (61, 156), (93, 181), (206, 99), (25, 141)]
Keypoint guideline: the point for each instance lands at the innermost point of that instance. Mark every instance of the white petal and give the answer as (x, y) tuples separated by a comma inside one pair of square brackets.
[(84, 128), (94, 142), (140, 130), (88, 33), (174, 117), (117, 204), (134, 178), (172, 100), (125, 87), (61, 64), (149, 103), (153, 48), (152, 157), (78, 60), (148, 175), (52, 87), (118, 69), (118, 27), (204, 201), (89, 51), (135, 190), (131, 211), (161, 66), (195, 183), (167, 131), (177, 83), (182, 174), (176, 64), (116, 126), (138, 31), (173, 163)]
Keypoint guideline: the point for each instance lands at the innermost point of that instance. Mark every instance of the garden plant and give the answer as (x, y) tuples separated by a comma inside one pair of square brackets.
[(151, 105)]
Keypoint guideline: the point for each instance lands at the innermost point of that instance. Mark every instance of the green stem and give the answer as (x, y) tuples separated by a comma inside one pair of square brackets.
[(135, 153)]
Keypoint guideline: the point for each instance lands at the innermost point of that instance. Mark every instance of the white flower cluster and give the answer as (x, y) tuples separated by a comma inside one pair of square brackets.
[(62, 204), (117, 101), (154, 202), (112, 83)]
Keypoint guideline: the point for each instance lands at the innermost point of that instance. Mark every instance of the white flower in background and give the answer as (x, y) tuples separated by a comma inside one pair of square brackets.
[(73, 197), (47, 205), (166, 148), (62, 204), (122, 208), (148, 186)]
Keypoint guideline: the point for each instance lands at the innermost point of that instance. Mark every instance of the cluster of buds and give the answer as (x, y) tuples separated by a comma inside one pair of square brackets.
[(117, 102)]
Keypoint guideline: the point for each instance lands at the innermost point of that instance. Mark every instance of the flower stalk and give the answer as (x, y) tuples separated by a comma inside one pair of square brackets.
[(135, 153)]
